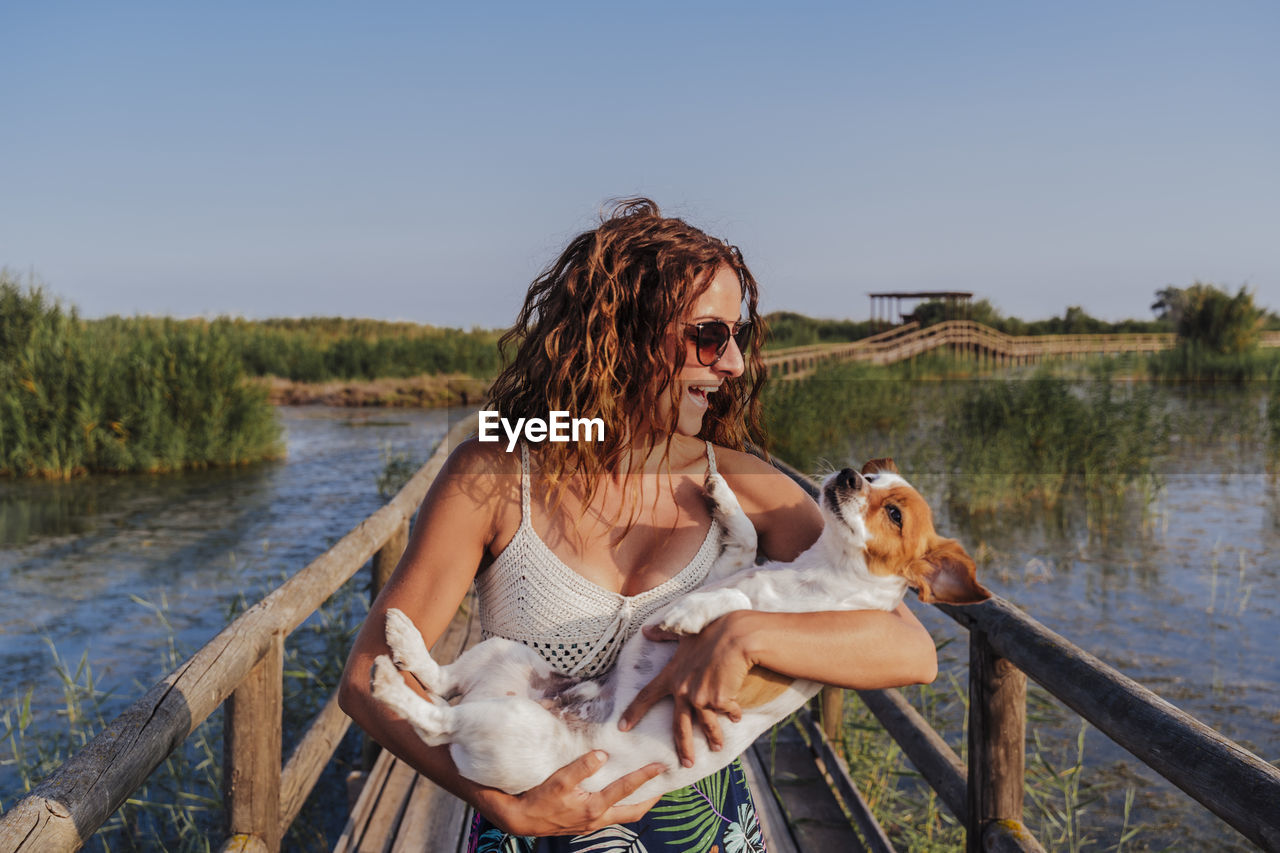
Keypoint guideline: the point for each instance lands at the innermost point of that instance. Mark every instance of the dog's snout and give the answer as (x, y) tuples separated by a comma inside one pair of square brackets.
[(849, 479)]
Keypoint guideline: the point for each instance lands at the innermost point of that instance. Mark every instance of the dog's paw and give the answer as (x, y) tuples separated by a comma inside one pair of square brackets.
[(385, 681), (682, 619), (404, 639), (693, 613)]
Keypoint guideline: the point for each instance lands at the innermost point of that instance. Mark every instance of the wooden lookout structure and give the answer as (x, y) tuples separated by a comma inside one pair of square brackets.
[(887, 307), (804, 793)]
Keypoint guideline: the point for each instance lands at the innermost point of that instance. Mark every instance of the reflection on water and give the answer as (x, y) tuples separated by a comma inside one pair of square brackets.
[(1183, 598), (74, 555)]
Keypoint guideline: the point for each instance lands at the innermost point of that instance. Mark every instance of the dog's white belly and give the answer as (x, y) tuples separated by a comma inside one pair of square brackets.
[(652, 740)]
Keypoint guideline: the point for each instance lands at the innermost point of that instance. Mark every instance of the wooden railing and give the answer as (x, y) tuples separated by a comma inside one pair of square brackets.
[(243, 667), (1006, 646), (966, 336)]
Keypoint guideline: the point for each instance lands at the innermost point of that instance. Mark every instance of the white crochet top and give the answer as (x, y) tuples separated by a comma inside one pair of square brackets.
[(529, 595)]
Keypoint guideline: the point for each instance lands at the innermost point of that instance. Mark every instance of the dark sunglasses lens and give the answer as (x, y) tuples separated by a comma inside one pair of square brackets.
[(742, 337), (713, 339)]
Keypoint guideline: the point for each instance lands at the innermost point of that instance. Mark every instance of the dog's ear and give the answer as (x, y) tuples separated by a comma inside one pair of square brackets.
[(874, 466), (947, 574)]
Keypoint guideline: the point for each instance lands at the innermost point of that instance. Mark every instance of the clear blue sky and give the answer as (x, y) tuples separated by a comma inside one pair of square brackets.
[(425, 161)]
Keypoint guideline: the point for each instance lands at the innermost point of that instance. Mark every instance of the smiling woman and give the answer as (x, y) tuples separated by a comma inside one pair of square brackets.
[(644, 323)]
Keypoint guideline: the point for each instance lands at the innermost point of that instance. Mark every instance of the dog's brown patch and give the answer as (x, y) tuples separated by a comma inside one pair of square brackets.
[(762, 686), (904, 543)]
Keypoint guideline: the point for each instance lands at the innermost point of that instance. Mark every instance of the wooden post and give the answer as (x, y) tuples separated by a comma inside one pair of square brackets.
[(997, 739), (833, 713), (251, 751), (384, 563), (388, 557)]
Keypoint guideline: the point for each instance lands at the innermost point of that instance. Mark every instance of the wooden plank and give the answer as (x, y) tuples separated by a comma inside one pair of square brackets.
[(251, 750), (811, 810), (434, 821), (309, 759), (997, 740), (365, 803), (773, 823), (387, 812), (1226, 778), (837, 773), (924, 747)]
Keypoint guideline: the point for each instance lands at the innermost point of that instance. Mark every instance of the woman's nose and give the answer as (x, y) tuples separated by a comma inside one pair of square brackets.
[(731, 364)]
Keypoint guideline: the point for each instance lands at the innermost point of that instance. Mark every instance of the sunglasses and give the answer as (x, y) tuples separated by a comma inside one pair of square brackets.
[(712, 338)]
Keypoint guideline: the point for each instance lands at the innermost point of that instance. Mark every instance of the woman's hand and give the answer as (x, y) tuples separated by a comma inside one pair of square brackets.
[(559, 806), (703, 679)]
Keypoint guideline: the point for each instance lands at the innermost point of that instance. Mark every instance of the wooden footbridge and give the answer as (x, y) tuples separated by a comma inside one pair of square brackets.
[(972, 340), (802, 788)]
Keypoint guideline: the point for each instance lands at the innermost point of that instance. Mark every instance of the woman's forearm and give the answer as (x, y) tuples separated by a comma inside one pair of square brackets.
[(861, 649), (398, 736)]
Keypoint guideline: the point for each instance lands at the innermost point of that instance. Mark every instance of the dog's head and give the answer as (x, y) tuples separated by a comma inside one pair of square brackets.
[(878, 512)]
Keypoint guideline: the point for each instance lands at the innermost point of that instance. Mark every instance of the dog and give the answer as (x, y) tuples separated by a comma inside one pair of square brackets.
[(516, 721)]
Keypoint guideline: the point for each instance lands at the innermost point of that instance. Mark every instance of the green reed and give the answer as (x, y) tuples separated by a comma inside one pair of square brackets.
[(993, 442), (1058, 794), (121, 396), (179, 808), (1190, 361), (1043, 438), (322, 348)]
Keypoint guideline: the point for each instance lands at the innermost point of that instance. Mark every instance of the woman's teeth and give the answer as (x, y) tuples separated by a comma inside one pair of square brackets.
[(699, 393)]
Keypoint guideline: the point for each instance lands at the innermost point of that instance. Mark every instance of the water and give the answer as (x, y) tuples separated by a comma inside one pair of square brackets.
[(1183, 598), (75, 557)]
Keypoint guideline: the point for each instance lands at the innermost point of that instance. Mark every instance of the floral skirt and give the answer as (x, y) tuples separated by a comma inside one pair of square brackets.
[(713, 815)]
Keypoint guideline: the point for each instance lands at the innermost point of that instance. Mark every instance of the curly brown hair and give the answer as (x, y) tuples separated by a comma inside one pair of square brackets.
[(589, 339)]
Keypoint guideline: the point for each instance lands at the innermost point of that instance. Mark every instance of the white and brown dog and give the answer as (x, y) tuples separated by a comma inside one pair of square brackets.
[(516, 720)]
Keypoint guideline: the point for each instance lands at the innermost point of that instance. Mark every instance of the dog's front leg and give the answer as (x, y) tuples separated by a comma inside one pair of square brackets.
[(739, 535), (409, 651), (695, 611)]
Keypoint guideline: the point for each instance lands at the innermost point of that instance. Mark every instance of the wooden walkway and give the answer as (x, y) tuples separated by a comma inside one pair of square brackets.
[(242, 668), (971, 339)]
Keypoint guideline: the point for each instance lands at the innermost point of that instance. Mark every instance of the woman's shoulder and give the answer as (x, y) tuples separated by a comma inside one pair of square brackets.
[(786, 518), (756, 481), (475, 458)]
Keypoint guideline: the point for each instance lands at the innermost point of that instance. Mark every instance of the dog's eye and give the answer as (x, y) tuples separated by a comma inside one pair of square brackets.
[(895, 514)]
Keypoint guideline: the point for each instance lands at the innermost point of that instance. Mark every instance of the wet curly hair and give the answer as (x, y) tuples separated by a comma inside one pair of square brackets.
[(589, 340)]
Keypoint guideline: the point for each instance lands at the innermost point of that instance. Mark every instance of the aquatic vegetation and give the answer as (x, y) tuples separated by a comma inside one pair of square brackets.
[(1058, 794), (180, 806), (1038, 439), (150, 395)]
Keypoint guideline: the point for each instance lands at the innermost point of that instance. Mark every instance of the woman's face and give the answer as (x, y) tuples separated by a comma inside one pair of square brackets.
[(722, 300)]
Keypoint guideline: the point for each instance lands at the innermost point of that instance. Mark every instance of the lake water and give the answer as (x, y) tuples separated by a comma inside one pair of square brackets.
[(1183, 598)]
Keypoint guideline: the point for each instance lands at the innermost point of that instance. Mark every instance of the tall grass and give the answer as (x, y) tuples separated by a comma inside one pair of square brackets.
[(320, 348), (144, 395), (1190, 361), (180, 807), (995, 443), (1040, 438), (1057, 794)]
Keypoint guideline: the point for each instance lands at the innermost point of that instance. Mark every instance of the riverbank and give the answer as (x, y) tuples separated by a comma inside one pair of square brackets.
[(428, 391)]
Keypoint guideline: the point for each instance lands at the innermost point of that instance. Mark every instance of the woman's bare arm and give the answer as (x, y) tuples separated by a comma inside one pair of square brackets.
[(456, 525), (858, 649)]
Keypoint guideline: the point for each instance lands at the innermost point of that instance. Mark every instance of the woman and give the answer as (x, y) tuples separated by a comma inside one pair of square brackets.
[(572, 546)]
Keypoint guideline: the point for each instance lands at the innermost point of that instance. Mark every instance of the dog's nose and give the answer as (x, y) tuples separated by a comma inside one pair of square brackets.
[(849, 479)]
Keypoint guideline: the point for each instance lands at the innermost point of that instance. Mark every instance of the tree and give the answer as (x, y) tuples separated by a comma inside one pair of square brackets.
[(1211, 318)]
